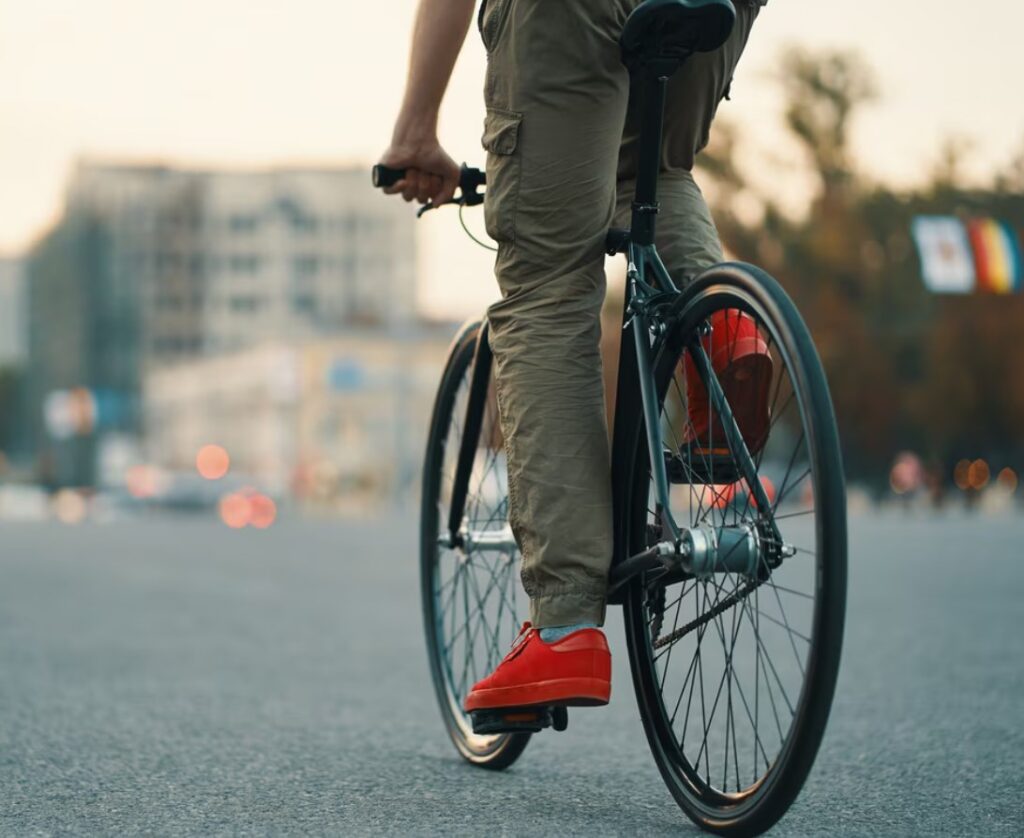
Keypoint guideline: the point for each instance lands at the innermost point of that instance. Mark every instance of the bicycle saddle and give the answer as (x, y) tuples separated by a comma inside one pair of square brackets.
[(670, 28)]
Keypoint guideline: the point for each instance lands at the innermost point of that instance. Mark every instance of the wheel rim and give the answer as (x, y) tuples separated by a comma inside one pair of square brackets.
[(730, 659), (474, 609)]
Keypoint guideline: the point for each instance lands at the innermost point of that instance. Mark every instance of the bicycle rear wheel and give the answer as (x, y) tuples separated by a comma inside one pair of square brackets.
[(472, 610), (735, 671)]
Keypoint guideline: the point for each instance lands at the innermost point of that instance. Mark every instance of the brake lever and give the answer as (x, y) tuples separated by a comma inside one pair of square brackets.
[(470, 198), (430, 205)]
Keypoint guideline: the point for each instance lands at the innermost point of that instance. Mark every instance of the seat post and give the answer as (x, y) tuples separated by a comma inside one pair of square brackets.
[(645, 202)]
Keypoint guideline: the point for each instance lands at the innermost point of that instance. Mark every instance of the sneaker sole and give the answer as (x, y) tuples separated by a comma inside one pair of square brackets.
[(559, 692)]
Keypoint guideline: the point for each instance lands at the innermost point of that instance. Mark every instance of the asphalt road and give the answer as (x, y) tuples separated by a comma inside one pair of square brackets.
[(173, 677)]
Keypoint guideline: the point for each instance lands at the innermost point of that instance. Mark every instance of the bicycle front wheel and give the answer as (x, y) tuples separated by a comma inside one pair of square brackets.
[(472, 609), (735, 667)]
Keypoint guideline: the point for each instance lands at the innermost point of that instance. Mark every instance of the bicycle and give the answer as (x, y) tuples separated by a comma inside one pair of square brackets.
[(733, 585)]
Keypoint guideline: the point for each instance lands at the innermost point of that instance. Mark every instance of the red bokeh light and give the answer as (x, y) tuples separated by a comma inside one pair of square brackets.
[(262, 511), (212, 462), (247, 508), (235, 510)]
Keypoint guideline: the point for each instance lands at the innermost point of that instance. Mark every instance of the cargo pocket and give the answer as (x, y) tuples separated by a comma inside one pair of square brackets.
[(501, 142), (491, 20)]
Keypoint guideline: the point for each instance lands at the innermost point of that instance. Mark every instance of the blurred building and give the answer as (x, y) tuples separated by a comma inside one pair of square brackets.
[(13, 326), (152, 265), (13, 349), (337, 422)]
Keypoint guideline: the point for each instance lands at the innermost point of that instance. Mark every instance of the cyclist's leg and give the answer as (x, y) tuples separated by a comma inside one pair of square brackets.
[(688, 243), (556, 94), (687, 239)]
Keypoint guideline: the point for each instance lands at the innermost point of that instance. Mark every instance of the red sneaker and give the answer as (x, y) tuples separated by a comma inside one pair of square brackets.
[(575, 671), (739, 356)]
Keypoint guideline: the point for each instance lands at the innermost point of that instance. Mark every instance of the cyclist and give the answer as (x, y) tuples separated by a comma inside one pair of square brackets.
[(561, 132)]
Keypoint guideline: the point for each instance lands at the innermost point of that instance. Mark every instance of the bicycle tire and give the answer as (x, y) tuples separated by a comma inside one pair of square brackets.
[(495, 752), (748, 810)]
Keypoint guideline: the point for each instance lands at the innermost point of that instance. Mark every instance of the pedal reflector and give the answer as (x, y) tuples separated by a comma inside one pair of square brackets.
[(518, 720)]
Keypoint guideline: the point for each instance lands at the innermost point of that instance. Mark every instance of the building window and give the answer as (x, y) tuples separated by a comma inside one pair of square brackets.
[(167, 345), (169, 302), (244, 263), (168, 263), (305, 266), (243, 223), (304, 224), (246, 304), (296, 217), (304, 303)]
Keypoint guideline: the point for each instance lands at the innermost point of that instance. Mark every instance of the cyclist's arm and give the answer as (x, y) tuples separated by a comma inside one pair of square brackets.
[(438, 35)]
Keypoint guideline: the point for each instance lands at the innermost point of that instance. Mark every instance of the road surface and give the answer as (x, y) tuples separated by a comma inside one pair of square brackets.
[(169, 676)]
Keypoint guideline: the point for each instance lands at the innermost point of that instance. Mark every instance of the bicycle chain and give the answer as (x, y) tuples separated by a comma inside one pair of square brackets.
[(656, 594), (724, 605)]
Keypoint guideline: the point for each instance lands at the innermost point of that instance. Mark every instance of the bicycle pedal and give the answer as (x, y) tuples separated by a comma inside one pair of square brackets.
[(697, 467), (518, 720)]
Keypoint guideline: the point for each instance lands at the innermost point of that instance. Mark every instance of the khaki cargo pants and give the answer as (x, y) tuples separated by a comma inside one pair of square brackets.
[(561, 133)]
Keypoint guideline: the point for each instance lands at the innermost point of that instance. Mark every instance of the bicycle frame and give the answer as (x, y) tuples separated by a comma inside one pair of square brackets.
[(648, 285)]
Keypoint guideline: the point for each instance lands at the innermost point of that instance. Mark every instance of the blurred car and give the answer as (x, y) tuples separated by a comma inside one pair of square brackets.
[(24, 502)]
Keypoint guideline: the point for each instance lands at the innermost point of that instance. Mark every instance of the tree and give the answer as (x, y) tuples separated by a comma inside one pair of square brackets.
[(823, 91), (907, 369)]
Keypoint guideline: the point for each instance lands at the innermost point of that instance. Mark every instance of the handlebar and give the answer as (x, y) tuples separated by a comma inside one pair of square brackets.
[(470, 180), (386, 176)]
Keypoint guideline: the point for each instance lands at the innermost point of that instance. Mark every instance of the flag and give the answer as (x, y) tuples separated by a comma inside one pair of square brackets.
[(947, 264), (997, 256)]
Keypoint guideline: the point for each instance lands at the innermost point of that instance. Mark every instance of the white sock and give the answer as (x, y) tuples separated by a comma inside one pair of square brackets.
[(555, 633)]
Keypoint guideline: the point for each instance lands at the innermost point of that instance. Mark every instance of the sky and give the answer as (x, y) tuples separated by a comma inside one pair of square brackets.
[(264, 82)]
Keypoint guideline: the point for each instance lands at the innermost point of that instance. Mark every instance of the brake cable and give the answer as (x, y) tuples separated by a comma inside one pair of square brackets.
[(462, 221)]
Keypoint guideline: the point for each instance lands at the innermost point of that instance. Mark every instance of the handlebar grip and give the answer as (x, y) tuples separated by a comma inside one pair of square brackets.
[(386, 176)]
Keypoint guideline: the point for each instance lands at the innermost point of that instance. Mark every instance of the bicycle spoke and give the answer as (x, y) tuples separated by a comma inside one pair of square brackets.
[(726, 695), (760, 653), (714, 709), (792, 632), (675, 623), (476, 606)]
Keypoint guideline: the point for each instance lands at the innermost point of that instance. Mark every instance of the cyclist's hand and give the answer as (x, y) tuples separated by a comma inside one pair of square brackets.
[(430, 174)]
